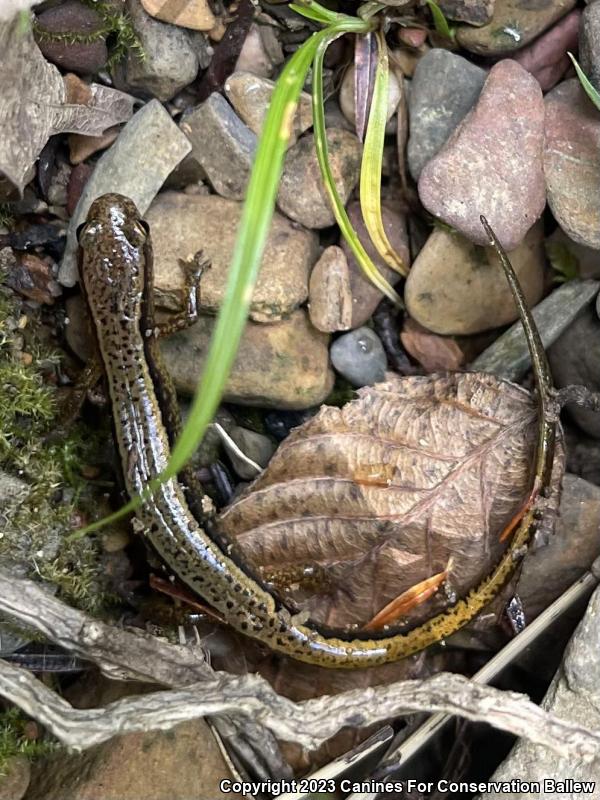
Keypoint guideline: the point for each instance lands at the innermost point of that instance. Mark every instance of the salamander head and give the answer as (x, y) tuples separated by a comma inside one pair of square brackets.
[(113, 215)]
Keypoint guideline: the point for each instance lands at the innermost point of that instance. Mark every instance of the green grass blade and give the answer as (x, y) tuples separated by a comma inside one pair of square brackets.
[(372, 162), (320, 14), (254, 226), (439, 20), (588, 87), (348, 232)]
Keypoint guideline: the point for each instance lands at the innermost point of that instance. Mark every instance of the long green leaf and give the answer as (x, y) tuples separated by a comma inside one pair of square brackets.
[(372, 162), (256, 218), (348, 232), (588, 87), (439, 20)]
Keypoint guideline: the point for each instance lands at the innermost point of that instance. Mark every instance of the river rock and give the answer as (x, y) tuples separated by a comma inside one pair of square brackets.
[(365, 296), (589, 43), (170, 60), (575, 359), (194, 14), (547, 58), (302, 195), (330, 292), (255, 446), (256, 56), (183, 224), (443, 90), (570, 551), (346, 96), (14, 779), (586, 259), (456, 287), (284, 365), (574, 696), (359, 356), (474, 12), (571, 162), (513, 25), (508, 357), (76, 18), (250, 96), (221, 144), (146, 151), (503, 135)]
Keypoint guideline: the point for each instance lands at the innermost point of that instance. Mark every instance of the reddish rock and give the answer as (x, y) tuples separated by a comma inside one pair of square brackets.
[(571, 163), (73, 17), (413, 37), (78, 179), (492, 164), (546, 59)]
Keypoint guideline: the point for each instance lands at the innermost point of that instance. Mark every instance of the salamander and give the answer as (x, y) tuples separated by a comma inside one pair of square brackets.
[(116, 276)]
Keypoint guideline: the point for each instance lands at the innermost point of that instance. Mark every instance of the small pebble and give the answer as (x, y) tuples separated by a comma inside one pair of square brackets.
[(170, 59), (221, 144), (330, 293), (255, 446), (474, 12), (250, 96), (302, 195), (346, 96), (254, 56), (194, 14), (359, 357)]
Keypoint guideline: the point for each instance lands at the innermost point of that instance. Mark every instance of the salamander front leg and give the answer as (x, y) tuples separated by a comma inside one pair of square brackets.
[(193, 269)]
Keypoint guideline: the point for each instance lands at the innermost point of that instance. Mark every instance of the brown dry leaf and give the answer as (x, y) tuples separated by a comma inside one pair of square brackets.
[(34, 105), (381, 492)]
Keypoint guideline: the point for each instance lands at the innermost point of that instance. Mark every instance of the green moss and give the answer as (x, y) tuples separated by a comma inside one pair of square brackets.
[(40, 479), (14, 742)]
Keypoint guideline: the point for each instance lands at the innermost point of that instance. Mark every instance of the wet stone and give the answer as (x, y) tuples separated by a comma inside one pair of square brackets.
[(513, 25), (571, 163), (359, 356), (221, 144), (444, 88), (502, 135)]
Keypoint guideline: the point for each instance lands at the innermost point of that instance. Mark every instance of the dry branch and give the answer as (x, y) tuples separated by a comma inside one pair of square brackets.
[(309, 723)]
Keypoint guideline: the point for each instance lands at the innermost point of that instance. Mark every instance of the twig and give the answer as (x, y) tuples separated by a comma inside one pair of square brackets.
[(309, 723)]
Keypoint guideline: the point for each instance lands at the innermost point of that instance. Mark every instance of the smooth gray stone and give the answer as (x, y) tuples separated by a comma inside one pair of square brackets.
[(359, 356), (145, 153), (574, 695), (508, 357), (443, 90), (221, 144)]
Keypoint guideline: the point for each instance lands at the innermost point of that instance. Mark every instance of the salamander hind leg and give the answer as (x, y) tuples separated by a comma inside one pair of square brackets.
[(193, 269)]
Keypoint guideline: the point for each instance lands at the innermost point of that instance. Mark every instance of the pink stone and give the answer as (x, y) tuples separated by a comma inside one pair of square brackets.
[(547, 58), (492, 163), (413, 37)]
